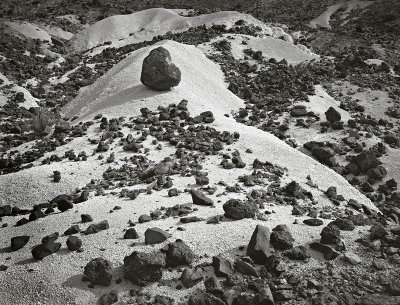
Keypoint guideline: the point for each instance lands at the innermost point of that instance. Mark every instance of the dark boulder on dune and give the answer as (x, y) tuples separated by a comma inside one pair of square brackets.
[(158, 71)]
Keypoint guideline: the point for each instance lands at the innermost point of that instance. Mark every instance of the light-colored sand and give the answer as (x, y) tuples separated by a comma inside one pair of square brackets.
[(144, 25), (323, 19), (30, 101), (271, 47), (29, 30)]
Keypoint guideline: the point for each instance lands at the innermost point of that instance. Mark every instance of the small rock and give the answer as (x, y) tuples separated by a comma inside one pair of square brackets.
[(155, 236)]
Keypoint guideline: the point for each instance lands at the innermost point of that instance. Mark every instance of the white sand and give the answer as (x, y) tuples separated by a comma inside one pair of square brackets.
[(144, 25), (29, 30)]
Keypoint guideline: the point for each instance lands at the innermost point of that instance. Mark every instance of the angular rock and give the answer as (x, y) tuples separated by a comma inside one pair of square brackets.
[(282, 240), (328, 252), (332, 115), (314, 222), (41, 251), (155, 236), (19, 242), (343, 224), (199, 198), (109, 298), (179, 253), (222, 266), (298, 253), (86, 218), (141, 268), (72, 230), (330, 235), (203, 298), (259, 248), (245, 268), (131, 234), (97, 227), (191, 277)]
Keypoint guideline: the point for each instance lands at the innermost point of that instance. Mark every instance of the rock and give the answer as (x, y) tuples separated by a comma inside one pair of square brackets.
[(74, 243), (330, 235), (378, 231), (377, 173), (144, 218), (282, 240), (332, 115), (213, 286), (86, 218), (97, 227), (298, 253), (179, 253), (199, 198), (155, 236), (203, 298), (19, 242), (173, 192), (56, 176), (158, 71), (64, 205), (366, 160), (245, 268), (50, 238), (265, 296), (351, 258), (222, 266), (328, 252), (141, 268), (314, 222), (343, 224), (131, 234), (191, 277), (41, 251), (238, 209), (258, 248), (298, 111), (98, 272), (5, 210), (109, 298), (72, 230)]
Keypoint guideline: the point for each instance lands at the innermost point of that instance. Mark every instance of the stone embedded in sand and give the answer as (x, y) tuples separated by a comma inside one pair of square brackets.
[(343, 224), (328, 252), (19, 242), (330, 235), (72, 230), (258, 248), (313, 222), (201, 298), (298, 253), (199, 198), (332, 115), (50, 238), (245, 268), (43, 250), (191, 277), (131, 234), (5, 210), (98, 272), (97, 227), (74, 243), (155, 236), (86, 218), (64, 205), (109, 298), (238, 209), (179, 253), (158, 71), (141, 268)]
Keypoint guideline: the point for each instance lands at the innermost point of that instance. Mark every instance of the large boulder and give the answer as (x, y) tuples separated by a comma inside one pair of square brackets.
[(259, 248), (158, 71), (98, 271), (332, 115), (141, 268)]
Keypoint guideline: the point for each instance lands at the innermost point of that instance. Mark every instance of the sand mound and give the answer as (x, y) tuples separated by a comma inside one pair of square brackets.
[(120, 93), (144, 25)]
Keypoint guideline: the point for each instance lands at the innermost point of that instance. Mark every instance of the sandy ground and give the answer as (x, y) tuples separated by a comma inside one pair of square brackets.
[(144, 25)]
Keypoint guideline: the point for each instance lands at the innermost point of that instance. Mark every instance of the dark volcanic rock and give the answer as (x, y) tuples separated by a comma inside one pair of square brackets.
[(86, 218), (64, 205), (365, 160), (98, 272), (258, 248), (314, 222), (343, 224), (5, 210), (332, 115), (238, 209), (141, 268), (19, 242), (282, 240), (298, 253), (328, 252), (73, 243), (199, 198), (158, 71), (330, 235), (155, 236), (191, 277), (72, 230), (97, 227), (131, 234), (222, 266), (43, 250), (179, 253)]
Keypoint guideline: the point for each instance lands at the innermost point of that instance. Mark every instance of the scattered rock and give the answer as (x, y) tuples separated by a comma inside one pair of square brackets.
[(155, 236), (258, 248), (19, 242), (131, 234), (141, 268), (97, 227), (178, 253), (74, 243), (199, 198), (238, 209), (191, 277), (98, 272)]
